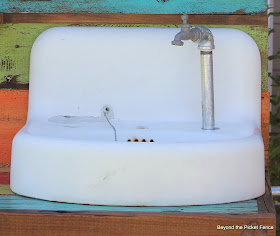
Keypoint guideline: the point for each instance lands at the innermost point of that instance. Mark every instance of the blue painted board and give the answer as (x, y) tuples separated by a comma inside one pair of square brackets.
[(24, 203), (134, 6)]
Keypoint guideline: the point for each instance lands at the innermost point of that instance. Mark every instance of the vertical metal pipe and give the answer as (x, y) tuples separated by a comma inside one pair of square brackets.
[(208, 116)]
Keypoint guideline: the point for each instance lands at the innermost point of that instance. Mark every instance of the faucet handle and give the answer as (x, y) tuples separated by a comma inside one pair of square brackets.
[(184, 18)]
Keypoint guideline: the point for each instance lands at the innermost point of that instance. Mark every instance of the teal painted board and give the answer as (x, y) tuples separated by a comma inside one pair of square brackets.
[(16, 202), (134, 6)]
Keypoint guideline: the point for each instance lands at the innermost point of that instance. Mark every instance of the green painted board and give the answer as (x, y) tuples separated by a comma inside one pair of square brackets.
[(16, 202), (134, 6), (5, 189), (17, 39)]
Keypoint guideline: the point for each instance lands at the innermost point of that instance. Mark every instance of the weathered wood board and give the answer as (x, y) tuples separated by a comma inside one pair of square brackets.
[(265, 119), (75, 18), (134, 6), (26, 222), (10, 201), (17, 39), (13, 114)]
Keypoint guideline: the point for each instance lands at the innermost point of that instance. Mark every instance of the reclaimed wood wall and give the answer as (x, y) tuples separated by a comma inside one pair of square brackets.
[(135, 7), (21, 21)]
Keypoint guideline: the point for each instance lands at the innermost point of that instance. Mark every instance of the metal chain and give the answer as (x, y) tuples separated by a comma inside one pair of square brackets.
[(111, 126)]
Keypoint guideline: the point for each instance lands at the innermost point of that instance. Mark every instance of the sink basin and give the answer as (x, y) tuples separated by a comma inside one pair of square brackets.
[(150, 149)]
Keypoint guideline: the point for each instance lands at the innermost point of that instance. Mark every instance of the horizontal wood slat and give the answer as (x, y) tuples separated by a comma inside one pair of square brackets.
[(13, 115), (67, 223), (134, 6), (134, 19), (16, 202), (4, 178), (5, 189)]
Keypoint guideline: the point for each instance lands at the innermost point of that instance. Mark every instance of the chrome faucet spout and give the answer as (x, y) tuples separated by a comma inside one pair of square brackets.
[(184, 34), (205, 40), (178, 39)]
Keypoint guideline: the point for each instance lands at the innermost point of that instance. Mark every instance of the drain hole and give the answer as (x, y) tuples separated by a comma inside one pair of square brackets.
[(141, 140)]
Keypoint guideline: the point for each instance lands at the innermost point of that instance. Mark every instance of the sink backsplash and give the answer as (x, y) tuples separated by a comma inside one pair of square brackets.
[(141, 77)]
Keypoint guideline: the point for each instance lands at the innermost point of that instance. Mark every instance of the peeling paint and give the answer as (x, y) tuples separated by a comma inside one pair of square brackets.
[(7, 64), (35, 0), (12, 81), (134, 6)]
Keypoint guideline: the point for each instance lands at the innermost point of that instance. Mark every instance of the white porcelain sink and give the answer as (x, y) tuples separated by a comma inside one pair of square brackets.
[(67, 150)]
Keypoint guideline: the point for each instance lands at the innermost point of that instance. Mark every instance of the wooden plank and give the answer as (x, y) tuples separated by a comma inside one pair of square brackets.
[(15, 202), (17, 39), (130, 223), (265, 202), (265, 118), (4, 178), (1, 18), (266, 159), (12, 117), (134, 19), (134, 6), (5, 189), (5, 169)]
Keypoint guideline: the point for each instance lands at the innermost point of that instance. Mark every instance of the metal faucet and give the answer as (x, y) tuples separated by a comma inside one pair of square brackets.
[(204, 37)]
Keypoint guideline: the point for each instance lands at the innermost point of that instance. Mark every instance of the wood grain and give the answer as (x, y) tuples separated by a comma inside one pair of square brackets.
[(134, 6), (265, 116), (265, 202), (4, 178), (266, 160), (5, 189), (213, 19), (13, 114), (265, 119), (16, 202), (26, 223)]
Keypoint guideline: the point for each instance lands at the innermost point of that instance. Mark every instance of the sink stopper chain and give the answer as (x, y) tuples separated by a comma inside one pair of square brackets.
[(105, 112)]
